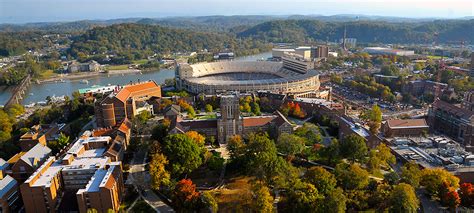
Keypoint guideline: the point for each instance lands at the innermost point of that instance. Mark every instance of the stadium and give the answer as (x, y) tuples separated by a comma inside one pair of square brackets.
[(245, 76)]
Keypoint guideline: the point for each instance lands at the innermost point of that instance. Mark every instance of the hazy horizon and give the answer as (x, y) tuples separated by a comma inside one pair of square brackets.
[(28, 11)]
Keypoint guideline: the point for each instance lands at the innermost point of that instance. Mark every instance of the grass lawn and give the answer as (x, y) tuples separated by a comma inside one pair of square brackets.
[(117, 67), (210, 116), (235, 196), (47, 74), (141, 61)]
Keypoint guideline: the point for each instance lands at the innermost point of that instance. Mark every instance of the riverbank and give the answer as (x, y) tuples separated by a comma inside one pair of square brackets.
[(85, 75)]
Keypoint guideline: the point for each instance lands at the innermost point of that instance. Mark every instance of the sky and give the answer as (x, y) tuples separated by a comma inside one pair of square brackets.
[(25, 11)]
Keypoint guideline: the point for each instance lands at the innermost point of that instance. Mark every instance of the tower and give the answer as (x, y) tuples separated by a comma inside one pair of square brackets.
[(344, 39), (229, 123)]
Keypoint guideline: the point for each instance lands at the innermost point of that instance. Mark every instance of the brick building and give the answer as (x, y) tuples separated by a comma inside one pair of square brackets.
[(125, 102), (10, 200), (23, 164), (40, 134), (454, 121), (405, 128), (85, 178)]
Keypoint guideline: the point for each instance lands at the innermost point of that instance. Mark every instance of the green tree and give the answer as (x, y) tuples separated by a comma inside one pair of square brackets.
[(236, 147), (403, 199), (411, 174), (433, 180), (158, 173), (391, 70), (334, 202), (310, 132), (354, 148), (262, 159), (304, 197), (63, 140), (208, 108), (351, 176), (373, 118), (323, 180), (332, 153), (209, 201), (262, 201), (6, 126), (183, 153), (290, 145)]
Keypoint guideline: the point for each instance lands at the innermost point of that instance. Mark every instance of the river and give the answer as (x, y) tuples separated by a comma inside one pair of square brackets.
[(39, 92)]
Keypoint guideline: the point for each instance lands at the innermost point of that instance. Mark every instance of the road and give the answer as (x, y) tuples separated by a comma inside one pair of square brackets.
[(141, 180)]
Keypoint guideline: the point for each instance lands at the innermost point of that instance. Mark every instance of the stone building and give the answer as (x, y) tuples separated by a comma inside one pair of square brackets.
[(230, 122)]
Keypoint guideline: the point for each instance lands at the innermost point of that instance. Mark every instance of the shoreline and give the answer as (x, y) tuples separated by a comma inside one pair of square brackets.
[(86, 75)]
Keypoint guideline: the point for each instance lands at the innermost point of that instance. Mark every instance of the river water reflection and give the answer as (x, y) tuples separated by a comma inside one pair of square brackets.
[(39, 92)]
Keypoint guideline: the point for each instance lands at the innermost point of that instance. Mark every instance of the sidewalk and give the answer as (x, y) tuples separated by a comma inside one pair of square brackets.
[(141, 181)]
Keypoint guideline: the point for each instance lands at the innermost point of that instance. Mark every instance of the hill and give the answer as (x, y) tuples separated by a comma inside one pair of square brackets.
[(146, 39), (364, 31)]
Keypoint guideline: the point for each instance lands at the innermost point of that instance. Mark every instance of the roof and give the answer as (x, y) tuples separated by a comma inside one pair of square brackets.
[(15, 158), (407, 123), (125, 126), (281, 119), (199, 124), (258, 121), (6, 184), (458, 111), (175, 109), (128, 90), (37, 153), (3, 164)]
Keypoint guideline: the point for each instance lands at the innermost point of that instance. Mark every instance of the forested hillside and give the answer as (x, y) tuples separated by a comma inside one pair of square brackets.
[(146, 39), (364, 31)]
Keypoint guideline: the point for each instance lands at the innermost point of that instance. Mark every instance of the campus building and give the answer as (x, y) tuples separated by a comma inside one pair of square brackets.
[(10, 200), (40, 134), (126, 102), (230, 122), (424, 87), (297, 63), (454, 121), (85, 178), (405, 128), (23, 164), (320, 52)]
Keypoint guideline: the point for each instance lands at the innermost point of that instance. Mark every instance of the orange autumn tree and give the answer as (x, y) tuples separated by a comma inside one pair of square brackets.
[(466, 192), (449, 196), (185, 198), (293, 109)]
